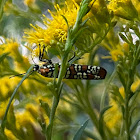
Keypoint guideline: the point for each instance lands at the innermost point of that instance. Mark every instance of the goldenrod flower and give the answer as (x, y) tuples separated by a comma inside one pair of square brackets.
[(7, 86), (136, 3), (10, 46), (33, 109), (115, 52), (29, 2), (123, 8), (113, 116), (10, 135), (3, 106), (135, 85), (56, 29), (24, 119)]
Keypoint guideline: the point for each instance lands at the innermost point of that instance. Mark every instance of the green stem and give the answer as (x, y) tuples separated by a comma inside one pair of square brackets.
[(68, 47), (56, 98), (52, 114), (127, 126)]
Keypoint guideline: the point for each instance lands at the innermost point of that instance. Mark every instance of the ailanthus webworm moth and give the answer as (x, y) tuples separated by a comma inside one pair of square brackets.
[(74, 71)]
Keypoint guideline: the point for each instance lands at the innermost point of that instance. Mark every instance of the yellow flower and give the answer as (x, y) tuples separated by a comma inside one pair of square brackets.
[(84, 59), (135, 85), (113, 116), (115, 47), (24, 119), (136, 3), (32, 108), (3, 106), (56, 29), (123, 8), (10, 135), (115, 52), (10, 46), (29, 2), (122, 92), (7, 86)]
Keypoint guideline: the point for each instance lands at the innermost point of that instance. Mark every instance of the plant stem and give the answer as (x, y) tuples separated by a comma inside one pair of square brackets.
[(68, 46), (56, 98), (52, 114), (127, 126)]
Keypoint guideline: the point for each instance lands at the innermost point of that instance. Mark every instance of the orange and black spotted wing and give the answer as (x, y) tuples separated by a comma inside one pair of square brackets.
[(75, 71), (87, 72)]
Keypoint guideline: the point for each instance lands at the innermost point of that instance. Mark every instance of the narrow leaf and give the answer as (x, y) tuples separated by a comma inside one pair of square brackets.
[(46, 107), (101, 119), (80, 131), (90, 135), (84, 22), (124, 38), (133, 127), (65, 20), (2, 3), (78, 34), (13, 95), (3, 56)]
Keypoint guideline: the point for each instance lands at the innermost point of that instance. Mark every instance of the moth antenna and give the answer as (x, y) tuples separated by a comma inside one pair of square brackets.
[(17, 75), (21, 74)]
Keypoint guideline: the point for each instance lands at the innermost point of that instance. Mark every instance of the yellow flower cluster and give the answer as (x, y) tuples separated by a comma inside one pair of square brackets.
[(10, 46), (10, 135), (123, 8), (113, 116), (117, 51), (56, 29), (3, 105), (7, 86), (24, 119)]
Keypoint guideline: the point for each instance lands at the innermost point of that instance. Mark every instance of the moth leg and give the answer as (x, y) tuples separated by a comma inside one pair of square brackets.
[(74, 58)]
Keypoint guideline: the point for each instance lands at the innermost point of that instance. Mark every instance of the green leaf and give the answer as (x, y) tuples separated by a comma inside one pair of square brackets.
[(46, 107), (101, 119), (2, 136), (3, 56), (84, 22), (78, 34), (65, 20), (90, 135), (124, 38), (80, 131), (133, 127), (2, 3), (115, 91), (133, 98)]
